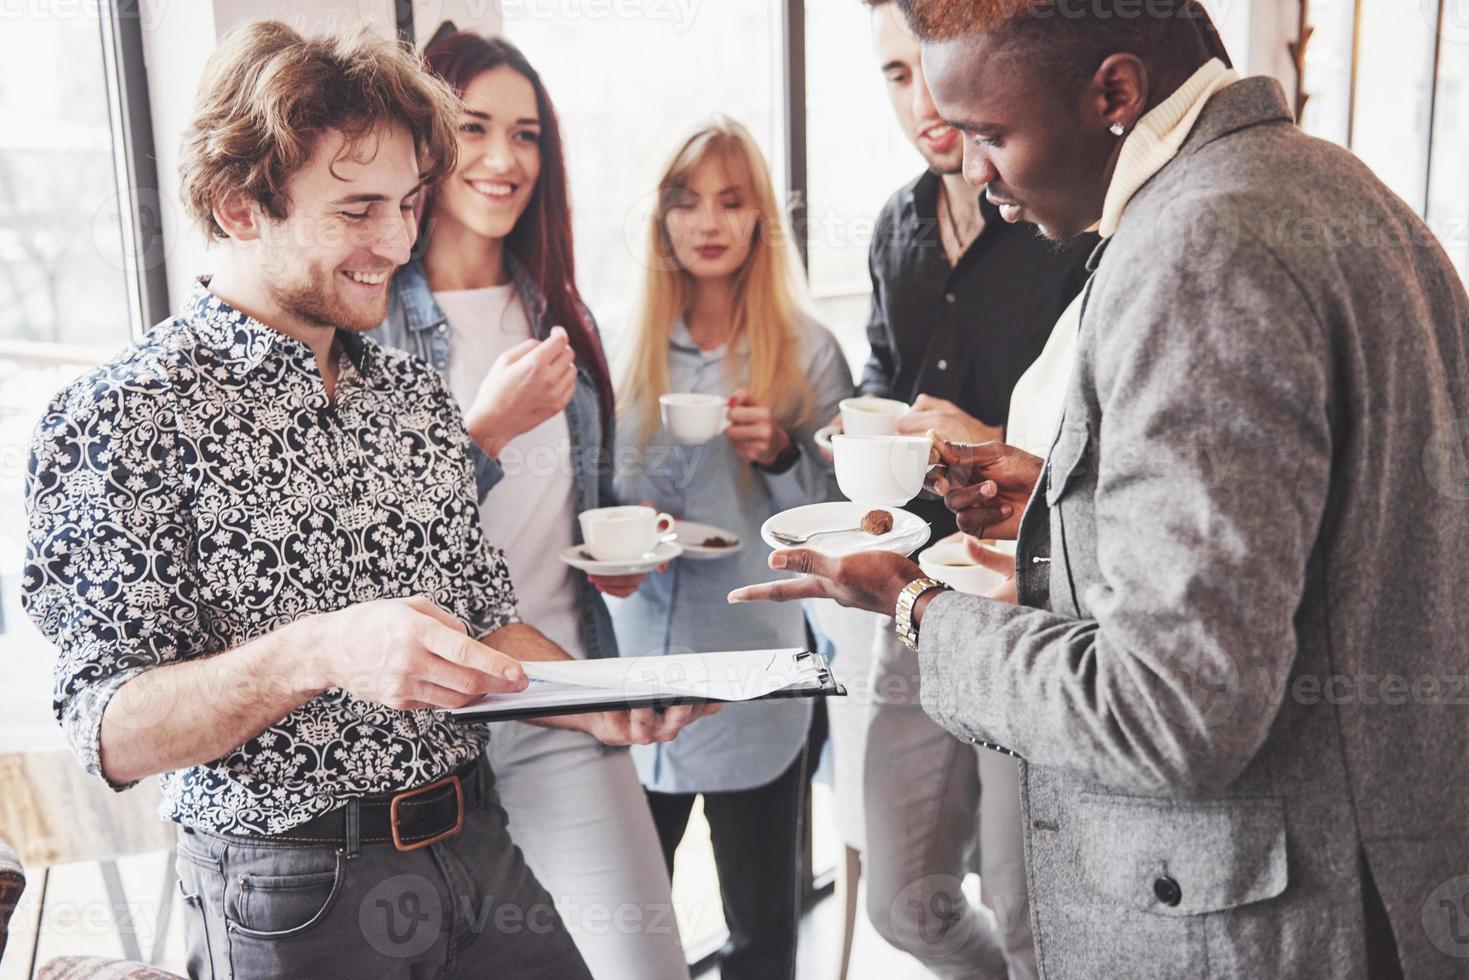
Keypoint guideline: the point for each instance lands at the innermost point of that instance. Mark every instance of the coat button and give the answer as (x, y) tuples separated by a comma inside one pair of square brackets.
[(950, 298), (943, 365), (1167, 891)]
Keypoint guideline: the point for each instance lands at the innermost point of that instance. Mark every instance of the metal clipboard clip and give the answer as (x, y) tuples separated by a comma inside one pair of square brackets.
[(823, 668)]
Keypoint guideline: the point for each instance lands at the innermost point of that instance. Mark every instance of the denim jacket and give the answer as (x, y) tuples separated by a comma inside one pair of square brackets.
[(417, 325)]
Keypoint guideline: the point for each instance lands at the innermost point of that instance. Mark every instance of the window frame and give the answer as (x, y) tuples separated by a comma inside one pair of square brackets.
[(135, 168), (1425, 202)]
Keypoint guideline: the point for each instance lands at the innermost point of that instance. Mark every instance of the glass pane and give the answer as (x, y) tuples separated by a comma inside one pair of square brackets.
[(63, 299), (857, 158), (61, 269), (674, 70), (1394, 76), (1448, 195), (1328, 79)]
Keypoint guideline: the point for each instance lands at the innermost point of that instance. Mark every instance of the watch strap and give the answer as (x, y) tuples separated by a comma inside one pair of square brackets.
[(907, 599)]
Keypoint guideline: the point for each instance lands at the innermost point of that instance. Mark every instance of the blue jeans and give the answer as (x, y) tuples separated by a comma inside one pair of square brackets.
[(467, 906)]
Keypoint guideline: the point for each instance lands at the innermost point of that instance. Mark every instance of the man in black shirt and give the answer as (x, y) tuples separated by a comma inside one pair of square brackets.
[(962, 303)]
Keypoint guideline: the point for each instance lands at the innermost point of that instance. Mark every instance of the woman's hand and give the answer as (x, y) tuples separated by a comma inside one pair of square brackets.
[(752, 431), (951, 422), (618, 586), (870, 580), (995, 561), (527, 385), (645, 726)]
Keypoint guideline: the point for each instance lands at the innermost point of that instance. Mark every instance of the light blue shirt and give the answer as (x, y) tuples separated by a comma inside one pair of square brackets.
[(685, 609)]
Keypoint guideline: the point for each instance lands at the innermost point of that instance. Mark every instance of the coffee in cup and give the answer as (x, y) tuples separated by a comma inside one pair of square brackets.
[(881, 470), (624, 533), (693, 419)]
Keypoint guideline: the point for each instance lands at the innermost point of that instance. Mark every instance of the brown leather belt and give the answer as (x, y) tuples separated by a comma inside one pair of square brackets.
[(408, 820)]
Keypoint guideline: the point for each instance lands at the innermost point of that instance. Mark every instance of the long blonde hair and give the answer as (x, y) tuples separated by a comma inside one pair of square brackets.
[(769, 294)]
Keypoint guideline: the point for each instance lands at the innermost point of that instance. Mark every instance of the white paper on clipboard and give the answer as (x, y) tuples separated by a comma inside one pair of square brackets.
[(737, 675)]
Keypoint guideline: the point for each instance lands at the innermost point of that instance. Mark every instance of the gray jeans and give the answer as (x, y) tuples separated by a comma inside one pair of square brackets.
[(467, 906), (927, 796)]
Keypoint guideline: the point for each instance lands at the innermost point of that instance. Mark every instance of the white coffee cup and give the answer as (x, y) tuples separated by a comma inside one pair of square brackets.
[(624, 533), (880, 470), (694, 419), (868, 416), (949, 562)]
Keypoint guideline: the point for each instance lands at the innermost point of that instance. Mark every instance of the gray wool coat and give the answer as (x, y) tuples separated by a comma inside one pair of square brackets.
[(1238, 671)]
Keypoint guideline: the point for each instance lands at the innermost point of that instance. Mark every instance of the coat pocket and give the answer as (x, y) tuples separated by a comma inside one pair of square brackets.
[(1068, 459), (1171, 858)]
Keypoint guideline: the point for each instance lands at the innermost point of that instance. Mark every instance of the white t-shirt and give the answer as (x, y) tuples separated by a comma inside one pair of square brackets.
[(529, 513), (1036, 402)]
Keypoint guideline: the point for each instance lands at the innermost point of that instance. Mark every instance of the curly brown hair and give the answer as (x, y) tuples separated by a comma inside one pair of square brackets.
[(268, 93)]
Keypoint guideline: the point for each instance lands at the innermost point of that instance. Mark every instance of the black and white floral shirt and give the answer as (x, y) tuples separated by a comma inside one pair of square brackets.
[(199, 491)]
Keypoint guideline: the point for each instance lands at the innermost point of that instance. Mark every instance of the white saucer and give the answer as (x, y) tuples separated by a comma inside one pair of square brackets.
[(909, 533), (690, 536), (579, 557)]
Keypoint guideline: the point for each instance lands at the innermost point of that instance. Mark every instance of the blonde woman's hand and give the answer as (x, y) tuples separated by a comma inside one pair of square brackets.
[(527, 385), (617, 586), (996, 561), (753, 432)]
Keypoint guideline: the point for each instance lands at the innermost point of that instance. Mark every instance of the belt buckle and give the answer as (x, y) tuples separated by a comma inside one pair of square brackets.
[(436, 784)]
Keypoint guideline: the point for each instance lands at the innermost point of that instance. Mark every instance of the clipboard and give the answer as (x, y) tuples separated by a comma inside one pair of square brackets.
[(559, 699)]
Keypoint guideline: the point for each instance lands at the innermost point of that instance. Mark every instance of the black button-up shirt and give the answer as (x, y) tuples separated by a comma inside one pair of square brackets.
[(200, 490), (967, 332)]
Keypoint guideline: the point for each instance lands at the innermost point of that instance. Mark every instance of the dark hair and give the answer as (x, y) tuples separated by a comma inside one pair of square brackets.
[(1072, 38), (541, 240), (267, 95)]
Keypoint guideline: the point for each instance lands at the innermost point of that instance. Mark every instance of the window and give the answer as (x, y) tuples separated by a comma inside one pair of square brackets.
[(661, 70), (64, 283), (1448, 182), (857, 158), (630, 81), (1389, 79), (1393, 89), (1328, 74)]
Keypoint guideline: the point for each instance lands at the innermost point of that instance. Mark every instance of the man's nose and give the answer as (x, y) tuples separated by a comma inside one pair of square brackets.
[(396, 238), (923, 107), (978, 169)]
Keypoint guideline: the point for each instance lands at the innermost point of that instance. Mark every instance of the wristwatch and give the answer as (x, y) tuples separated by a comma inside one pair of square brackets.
[(788, 457), (907, 599)]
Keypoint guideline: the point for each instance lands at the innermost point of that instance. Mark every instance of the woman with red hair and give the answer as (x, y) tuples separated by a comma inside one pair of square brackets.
[(492, 304)]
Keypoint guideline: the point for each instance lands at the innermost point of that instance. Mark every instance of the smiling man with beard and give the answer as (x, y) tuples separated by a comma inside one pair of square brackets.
[(255, 541), (1251, 499)]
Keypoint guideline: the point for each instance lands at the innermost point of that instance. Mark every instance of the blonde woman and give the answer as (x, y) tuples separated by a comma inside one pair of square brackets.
[(720, 314)]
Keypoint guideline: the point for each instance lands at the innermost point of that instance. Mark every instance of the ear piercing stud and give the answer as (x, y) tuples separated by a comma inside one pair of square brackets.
[(1117, 129)]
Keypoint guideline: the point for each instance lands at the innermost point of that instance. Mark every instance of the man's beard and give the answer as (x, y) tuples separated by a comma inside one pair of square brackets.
[(308, 295), (942, 167)]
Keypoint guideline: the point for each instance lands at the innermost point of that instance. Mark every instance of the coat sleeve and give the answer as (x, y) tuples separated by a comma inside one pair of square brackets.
[(1212, 392)]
